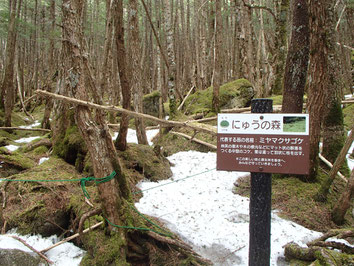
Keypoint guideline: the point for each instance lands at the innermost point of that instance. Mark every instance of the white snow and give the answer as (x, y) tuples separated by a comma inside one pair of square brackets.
[(11, 147), (200, 208), (27, 140), (42, 160), (22, 140), (66, 254), (35, 124), (205, 213)]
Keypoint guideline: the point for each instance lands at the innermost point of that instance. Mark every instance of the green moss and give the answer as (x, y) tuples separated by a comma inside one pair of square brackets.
[(348, 113), (234, 94), (103, 249), (142, 159), (41, 201), (277, 99), (151, 103), (71, 147), (16, 159), (40, 150)]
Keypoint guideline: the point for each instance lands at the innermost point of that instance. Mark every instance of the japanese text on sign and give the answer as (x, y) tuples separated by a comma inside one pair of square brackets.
[(273, 143)]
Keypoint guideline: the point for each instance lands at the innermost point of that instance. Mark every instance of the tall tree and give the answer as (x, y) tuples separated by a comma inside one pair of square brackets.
[(280, 45), (115, 193), (121, 141), (136, 72), (321, 73), (217, 56), (51, 67), (171, 81), (297, 59), (7, 85)]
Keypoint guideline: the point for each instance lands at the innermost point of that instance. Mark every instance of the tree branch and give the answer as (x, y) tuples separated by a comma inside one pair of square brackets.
[(260, 7), (202, 128)]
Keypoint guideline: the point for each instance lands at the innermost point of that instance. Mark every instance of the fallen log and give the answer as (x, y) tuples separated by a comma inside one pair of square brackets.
[(25, 129), (194, 139), (128, 112)]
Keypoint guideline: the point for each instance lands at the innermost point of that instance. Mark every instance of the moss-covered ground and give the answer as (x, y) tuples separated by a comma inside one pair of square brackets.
[(40, 207)]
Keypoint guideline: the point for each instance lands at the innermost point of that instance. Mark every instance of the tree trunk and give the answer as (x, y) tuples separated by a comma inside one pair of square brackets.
[(121, 141), (115, 192), (280, 46), (343, 204), (51, 69), (297, 60), (320, 69), (171, 59), (217, 57), (136, 71), (7, 86)]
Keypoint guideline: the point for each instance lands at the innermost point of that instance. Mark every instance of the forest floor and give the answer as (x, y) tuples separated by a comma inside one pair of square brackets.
[(291, 197)]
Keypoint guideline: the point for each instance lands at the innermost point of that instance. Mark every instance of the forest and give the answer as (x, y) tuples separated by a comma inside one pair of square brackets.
[(85, 72)]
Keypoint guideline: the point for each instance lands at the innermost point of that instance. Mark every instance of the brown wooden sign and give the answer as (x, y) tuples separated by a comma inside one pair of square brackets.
[(280, 146)]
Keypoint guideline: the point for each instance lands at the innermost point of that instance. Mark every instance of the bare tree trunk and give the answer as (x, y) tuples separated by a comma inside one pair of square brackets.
[(343, 203), (280, 46), (7, 86), (136, 72), (51, 69), (121, 141), (94, 131), (320, 69), (217, 57), (171, 59), (297, 59)]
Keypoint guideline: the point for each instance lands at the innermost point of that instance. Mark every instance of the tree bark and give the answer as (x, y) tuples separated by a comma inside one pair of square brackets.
[(7, 86), (280, 46), (114, 193), (171, 83), (217, 57), (297, 59), (51, 69), (343, 204), (121, 141), (136, 71), (319, 69)]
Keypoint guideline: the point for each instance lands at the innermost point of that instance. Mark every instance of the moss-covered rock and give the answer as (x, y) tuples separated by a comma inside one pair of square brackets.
[(71, 147), (11, 257), (235, 94), (151, 103), (42, 207), (142, 159)]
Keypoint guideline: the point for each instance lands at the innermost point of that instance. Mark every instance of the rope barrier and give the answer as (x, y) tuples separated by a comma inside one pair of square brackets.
[(106, 179), (175, 181)]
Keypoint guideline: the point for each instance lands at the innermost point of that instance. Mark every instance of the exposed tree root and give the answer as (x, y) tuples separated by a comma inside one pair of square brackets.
[(324, 252)]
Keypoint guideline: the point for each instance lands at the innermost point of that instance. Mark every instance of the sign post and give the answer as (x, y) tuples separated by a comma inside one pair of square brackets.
[(260, 204), (262, 143)]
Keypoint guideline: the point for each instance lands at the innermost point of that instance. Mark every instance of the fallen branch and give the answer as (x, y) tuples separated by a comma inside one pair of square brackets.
[(31, 248), (328, 163), (127, 112), (322, 193), (71, 237), (25, 129), (84, 217), (185, 98), (194, 139)]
